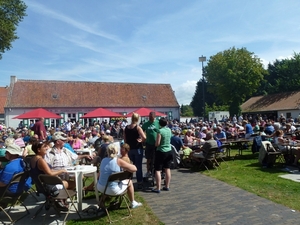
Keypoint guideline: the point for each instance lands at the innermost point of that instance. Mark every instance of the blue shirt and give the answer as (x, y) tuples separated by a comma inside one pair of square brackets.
[(108, 166), (13, 167), (220, 135), (249, 129), (176, 142)]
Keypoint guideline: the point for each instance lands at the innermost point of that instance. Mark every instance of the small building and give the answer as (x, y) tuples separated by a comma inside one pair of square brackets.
[(73, 99), (287, 103)]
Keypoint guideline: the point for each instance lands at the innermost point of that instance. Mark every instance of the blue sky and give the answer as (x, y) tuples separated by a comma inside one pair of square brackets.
[(145, 41)]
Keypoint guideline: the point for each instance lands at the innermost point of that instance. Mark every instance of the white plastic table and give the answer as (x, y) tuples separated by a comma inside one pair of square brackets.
[(79, 171)]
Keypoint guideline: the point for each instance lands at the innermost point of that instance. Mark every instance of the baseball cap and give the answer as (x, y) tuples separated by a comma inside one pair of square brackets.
[(59, 136), (203, 128), (107, 131)]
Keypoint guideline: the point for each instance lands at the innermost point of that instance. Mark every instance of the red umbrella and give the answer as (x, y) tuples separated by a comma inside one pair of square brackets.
[(38, 113), (145, 112), (100, 112)]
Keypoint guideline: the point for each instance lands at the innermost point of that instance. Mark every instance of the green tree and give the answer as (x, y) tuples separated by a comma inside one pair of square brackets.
[(234, 75), (197, 100), (186, 111), (284, 75), (12, 13)]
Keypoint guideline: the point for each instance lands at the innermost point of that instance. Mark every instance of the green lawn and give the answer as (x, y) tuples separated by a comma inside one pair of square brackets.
[(243, 172), (246, 173)]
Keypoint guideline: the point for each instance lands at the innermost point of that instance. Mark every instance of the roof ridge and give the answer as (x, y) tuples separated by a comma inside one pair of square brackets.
[(66, 81)]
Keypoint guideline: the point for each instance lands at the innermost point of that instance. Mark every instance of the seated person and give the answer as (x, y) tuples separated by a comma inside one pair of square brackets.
[(125, 148), (289, 128), (39, 166), (279, 141), (176, 141), (203, 132), (269, 128), (189, 138), (204, 151), (248, 129), (220, 134), (59, 157), (16, 165), (113, 164)]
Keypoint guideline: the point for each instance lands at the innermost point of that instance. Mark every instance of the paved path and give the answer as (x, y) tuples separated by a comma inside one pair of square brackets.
[(197, 199), (193, 199)]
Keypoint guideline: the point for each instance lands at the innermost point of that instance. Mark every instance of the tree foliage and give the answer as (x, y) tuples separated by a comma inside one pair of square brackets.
[(12, 13), (234, 75), (197, 100), (284, 75), (186, 111)]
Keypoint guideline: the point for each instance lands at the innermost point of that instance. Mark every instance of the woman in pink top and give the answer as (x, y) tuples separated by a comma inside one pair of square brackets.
[(76, 143)]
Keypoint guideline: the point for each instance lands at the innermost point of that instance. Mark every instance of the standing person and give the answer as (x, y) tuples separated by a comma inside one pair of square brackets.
[(134, 136), (150, 128), (40, 130), (163, 156)]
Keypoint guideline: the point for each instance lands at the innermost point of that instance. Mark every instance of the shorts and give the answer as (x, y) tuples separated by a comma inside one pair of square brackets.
[(117, 190), (150, 151), (163, 160)]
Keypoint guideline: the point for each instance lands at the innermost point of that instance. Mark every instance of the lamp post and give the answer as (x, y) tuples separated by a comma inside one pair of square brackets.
[(203, 59)]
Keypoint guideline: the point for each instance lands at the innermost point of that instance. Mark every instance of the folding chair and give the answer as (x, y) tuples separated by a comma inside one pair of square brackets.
[(221, 153), (210, 158), (63, 193), (121, 176), (8, 199)]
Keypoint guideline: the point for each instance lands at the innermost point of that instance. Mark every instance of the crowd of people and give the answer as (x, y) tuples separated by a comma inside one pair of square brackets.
[(52, 150)]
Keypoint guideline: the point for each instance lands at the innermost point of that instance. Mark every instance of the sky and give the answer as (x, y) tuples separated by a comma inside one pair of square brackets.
[(145, 41)]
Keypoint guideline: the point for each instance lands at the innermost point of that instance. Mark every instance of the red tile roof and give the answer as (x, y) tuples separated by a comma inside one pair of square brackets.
[(3, 97), (281, 101), (46, 93)]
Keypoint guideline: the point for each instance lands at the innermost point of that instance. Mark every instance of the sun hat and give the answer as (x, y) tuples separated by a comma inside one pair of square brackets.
[(14, 149)]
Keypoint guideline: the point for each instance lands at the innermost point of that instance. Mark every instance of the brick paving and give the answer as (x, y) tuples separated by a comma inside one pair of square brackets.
[(198, 199)]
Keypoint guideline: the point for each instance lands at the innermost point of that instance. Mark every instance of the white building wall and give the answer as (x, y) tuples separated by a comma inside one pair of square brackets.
[(64, 112)]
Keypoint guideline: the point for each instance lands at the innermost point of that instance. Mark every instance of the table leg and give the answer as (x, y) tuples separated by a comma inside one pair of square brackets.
[(79, 190)]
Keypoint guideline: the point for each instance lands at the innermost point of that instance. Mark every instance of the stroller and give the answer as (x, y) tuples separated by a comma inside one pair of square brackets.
[(174, 165)]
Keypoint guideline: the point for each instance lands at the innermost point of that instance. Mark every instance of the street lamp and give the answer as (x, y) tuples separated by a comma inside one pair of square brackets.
[(203, 59)]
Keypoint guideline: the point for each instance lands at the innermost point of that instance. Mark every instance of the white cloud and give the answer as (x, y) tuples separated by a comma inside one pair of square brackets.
[(185, 92)]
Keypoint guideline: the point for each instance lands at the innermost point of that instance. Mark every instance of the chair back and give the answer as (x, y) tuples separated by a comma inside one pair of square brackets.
[(18, 179), (120, 176), (48, 179)]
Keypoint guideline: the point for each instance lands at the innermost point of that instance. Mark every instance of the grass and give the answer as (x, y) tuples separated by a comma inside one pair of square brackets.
[(244, 172), (140, 216)]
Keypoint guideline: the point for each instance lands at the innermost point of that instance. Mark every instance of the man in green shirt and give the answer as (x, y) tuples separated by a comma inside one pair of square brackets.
[(150, 128)]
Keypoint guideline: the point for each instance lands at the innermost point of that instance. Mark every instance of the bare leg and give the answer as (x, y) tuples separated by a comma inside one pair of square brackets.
[(168, 177), (158, 179), (130, 191)]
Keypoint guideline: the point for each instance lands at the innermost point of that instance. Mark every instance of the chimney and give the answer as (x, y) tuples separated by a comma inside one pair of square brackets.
[(13, 79)]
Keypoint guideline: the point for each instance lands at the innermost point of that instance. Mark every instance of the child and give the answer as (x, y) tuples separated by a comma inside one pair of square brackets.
[(124, 152)]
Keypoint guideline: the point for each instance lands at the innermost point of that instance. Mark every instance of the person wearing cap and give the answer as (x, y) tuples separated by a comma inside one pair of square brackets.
[(176, 141), (203, 132), (205, 150), (16, 165), (111, 138), (58, 156)]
